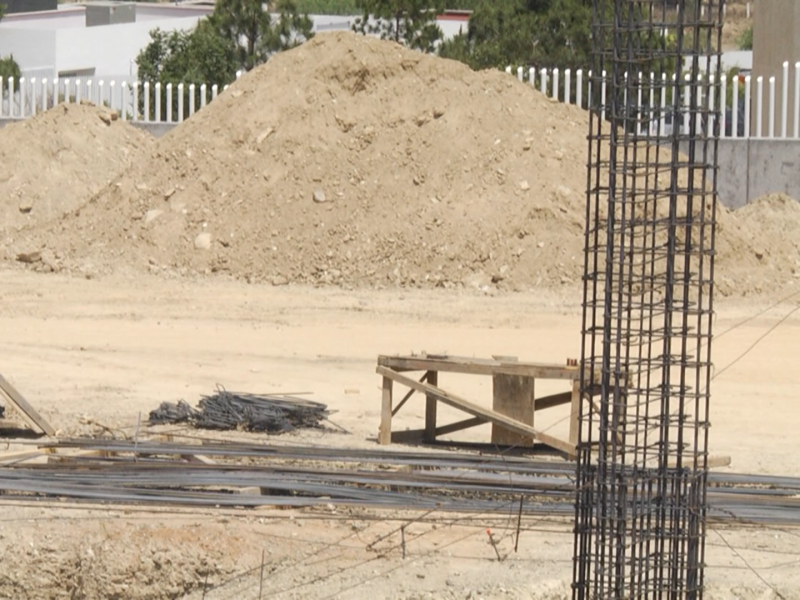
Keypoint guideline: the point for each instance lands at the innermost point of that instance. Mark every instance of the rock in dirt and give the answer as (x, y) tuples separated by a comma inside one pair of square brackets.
[(203, 241), (29, 257)]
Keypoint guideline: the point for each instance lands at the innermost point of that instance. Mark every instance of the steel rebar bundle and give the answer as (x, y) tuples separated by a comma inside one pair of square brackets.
[(641, 499), (251, 412)]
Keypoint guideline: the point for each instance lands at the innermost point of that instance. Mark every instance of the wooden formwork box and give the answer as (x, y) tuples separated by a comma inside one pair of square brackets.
[(514, 403)]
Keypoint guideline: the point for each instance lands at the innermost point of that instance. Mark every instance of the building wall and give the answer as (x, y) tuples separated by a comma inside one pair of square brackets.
[(33, 50), (51, 19), (776, 38), (110, 49)]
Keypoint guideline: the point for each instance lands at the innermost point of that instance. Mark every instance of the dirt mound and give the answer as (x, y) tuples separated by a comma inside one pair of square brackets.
[(54, 162), (354, 161), (766, 254)]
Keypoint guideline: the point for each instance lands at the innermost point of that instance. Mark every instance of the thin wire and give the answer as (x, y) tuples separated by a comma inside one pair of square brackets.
[(754, 344), (748, 565)]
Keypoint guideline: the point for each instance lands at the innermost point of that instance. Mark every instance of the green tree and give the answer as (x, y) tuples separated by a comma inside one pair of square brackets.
[(547, 33), (745, 39), (256, 34), (188, 57), (410, 22)]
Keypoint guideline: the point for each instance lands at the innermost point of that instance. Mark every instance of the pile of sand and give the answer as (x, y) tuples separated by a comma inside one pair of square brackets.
[(54, 162), (354, 161)]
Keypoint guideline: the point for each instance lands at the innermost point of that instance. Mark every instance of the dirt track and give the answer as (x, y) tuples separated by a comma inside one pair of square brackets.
[(108, 349)]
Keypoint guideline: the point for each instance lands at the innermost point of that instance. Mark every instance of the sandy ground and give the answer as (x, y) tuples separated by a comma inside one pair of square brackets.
[(109, 349)]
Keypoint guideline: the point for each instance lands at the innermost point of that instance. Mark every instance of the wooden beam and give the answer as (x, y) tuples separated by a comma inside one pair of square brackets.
[(546, 402), (412, 436), (34, 420), (10, 424), (477, 411), (19, 456), (430, 409), (410, 393), (385, 431), (459, 425), (512, 396), (478, 366), (575, 414)]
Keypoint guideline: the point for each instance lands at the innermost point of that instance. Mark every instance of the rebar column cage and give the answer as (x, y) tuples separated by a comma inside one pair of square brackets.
[(648, 282)]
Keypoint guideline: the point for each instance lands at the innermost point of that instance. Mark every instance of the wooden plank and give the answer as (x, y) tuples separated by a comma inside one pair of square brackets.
[(25, 410), (546, 402), (459, 425), (478, 366), (19, 456), (575, 413), (512, 396), (410, 393), (11, 424), (430, 409), (477, 411), (385, 431), (411, 436)]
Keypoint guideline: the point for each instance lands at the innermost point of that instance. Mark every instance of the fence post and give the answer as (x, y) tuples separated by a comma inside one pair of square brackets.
[(124, 100), (2, 85), (158, 101), (11, 110), (78, 91), (239, 74), (747, 98), (214, 91), (532, 76), (759, 105), (44, 95), (191, 99), (543, 80), (22, 90), (135, 103), (203, 95), (662, 122), (639, 104), (723, 101), (520, 74), (56, 91), (579, 88), (508, 69), (555, 83), (169, 103), (797, 100), (89, 93), (225, 87), (101, 93), (112, 87), (735, 107), (66, 91), (567, 86), (603, 95), (772, 107), (146, 92), (180, 103), (33, 97), (686, 102), (785, 101)]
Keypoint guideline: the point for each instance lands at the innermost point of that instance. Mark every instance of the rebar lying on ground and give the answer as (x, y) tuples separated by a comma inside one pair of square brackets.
[(250, 412)]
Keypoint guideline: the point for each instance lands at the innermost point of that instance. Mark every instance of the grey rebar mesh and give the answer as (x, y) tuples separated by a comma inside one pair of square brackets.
[(649, 265)]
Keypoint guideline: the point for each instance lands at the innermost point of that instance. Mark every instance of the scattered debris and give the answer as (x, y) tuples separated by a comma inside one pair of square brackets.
[(250, 412)]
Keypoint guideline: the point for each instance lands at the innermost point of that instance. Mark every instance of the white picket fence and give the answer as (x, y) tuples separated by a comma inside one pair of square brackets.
[(559, 85), (27, 96)]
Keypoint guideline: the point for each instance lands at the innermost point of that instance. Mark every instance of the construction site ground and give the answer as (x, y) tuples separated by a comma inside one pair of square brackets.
[(92, 355)]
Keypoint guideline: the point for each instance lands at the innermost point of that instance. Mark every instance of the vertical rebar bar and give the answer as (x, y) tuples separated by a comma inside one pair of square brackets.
[(647, 302)]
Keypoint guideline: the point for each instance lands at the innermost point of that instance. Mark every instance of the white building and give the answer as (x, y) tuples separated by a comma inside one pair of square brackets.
[(73, 41), (102, 39)]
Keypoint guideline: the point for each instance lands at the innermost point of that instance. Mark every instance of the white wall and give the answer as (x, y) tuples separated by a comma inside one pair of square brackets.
[(50, 19), (111, 48), (33, 50)]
